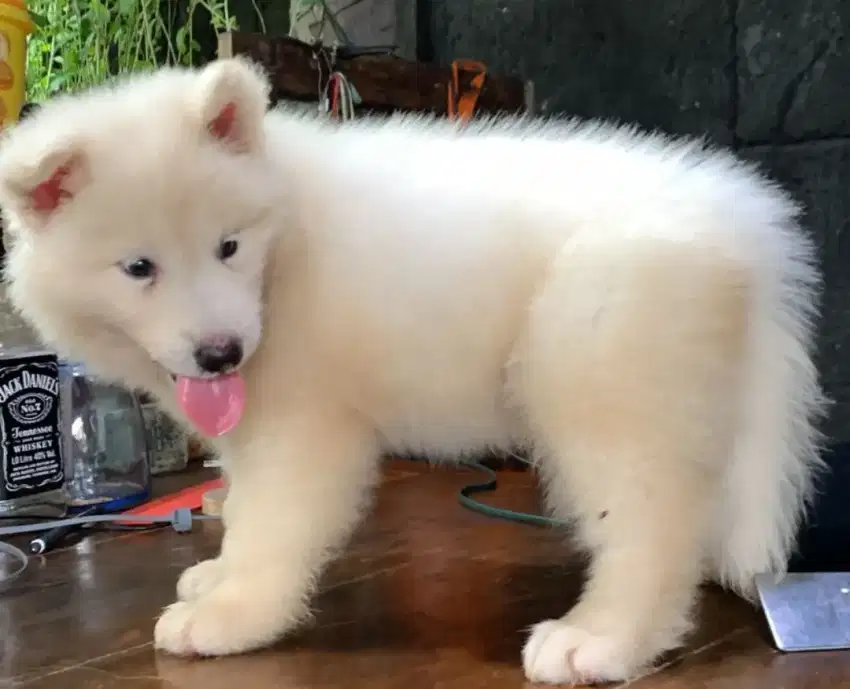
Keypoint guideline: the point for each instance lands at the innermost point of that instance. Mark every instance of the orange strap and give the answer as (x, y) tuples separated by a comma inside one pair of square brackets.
[(462, 105)]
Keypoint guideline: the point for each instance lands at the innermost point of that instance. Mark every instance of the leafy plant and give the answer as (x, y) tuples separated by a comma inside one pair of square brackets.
[(80, 43)]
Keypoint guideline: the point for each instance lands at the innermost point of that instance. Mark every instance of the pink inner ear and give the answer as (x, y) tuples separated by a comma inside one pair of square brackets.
[(222, 126), (48, 195)]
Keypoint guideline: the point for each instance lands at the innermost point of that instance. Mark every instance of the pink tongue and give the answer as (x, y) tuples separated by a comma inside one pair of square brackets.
[(214, 405)]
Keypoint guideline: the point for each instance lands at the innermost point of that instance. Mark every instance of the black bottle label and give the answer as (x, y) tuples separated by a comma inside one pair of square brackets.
[(30, 431)]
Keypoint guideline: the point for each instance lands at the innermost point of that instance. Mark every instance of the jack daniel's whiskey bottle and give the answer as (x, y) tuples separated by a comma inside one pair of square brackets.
[(32, 467)]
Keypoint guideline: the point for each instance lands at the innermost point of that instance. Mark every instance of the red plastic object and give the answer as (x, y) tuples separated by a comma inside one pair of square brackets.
[(191, 497)]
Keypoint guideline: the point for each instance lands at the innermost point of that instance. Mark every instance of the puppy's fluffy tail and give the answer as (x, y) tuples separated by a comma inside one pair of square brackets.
[(771, 476)]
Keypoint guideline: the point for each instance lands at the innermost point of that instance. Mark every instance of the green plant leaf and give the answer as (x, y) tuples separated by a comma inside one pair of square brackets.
[(85, 28), (180, 38), (126, 6), (57, 83), (40, 21)]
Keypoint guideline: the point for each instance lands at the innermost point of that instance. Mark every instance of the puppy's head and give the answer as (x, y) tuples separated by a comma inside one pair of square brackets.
[(139, 221)]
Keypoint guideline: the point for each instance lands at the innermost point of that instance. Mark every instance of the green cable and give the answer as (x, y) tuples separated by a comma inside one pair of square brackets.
[(491, 484)]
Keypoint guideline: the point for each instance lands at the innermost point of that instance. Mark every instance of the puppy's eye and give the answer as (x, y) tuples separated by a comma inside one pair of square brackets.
[(139, 268), (227, 249)]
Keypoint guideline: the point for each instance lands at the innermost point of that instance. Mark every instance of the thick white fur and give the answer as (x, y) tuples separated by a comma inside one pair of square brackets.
[(637, 311)]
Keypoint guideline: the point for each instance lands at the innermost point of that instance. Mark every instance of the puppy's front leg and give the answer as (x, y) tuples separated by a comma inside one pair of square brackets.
[(294, 497)]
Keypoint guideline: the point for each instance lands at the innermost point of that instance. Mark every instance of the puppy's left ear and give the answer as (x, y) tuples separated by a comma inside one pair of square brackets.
[(232, 96)]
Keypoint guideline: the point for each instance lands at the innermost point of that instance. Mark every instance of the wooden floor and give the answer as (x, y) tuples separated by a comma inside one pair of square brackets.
[(428, 595)]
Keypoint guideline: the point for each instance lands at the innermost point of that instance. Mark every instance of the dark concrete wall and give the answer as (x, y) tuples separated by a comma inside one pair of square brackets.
[(770, 78)]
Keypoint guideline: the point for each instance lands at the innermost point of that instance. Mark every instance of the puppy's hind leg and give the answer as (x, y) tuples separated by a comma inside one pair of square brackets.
[(632, 374)]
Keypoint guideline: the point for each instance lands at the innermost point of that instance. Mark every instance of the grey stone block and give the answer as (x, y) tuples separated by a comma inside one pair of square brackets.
[(667, 66), (818, 174), (794, 69)]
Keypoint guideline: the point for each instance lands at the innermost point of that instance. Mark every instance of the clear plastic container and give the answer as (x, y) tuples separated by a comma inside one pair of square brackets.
[(106, 450)]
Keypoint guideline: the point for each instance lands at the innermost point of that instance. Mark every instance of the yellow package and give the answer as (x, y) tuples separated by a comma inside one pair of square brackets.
[(15, 25)]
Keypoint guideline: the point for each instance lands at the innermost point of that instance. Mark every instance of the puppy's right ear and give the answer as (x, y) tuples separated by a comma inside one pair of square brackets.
[(37, 181)]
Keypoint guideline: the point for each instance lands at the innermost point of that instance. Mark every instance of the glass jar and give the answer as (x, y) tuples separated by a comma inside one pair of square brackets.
[(107, 459), (168, 441)]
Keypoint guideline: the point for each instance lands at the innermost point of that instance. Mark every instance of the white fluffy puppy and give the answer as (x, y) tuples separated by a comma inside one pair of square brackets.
[(634, 310)]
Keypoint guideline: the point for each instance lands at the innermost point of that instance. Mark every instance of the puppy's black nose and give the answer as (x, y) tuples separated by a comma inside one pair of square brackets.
[(218, 354)]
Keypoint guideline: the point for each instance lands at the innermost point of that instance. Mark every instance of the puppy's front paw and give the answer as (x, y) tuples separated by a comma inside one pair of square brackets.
[(560, 653), (198, 580), (234, 617)]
